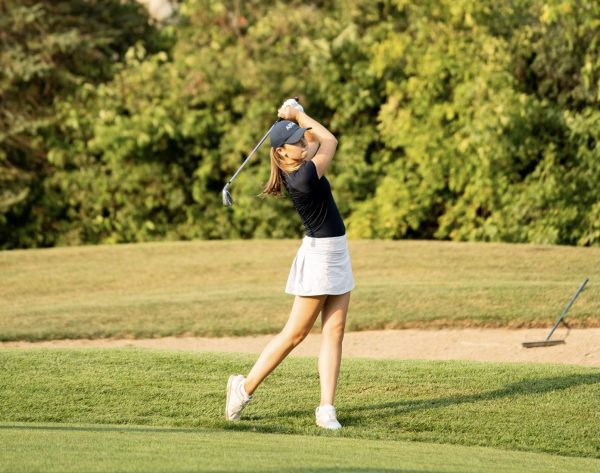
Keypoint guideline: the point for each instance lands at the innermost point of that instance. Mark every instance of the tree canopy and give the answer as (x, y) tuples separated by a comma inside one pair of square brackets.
[(456, 119)]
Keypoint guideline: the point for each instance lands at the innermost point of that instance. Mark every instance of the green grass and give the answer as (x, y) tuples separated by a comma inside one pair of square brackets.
[(538, 408), (217, 288), (64, 448)]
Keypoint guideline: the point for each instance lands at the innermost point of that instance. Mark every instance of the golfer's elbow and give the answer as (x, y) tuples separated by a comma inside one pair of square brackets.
[(331, 141), (329, 146), (324, 136)]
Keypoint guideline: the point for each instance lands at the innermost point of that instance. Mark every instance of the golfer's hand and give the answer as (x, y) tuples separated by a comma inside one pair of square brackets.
[(284, 111), (287, 112)]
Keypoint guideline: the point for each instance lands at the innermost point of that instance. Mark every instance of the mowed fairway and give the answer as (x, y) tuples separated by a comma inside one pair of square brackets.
[(216, 288), (104, 410), (537, 408), (65, 448)]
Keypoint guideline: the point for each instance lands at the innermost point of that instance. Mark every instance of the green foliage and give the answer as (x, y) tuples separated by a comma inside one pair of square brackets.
[(48, 50), (459, 120), (492, 114)]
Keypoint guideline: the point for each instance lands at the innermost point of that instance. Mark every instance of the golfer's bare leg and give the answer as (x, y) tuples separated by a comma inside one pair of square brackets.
[(330, 356), (304, 313)]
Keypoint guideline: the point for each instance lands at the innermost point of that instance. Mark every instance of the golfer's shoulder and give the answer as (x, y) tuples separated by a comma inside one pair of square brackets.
[(305, 178)]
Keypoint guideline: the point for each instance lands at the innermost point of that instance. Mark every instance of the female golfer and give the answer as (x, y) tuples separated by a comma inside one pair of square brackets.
[(321, 275)]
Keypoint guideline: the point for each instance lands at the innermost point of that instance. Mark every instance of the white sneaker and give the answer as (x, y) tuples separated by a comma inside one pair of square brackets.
[(237, 397), (326, 417)]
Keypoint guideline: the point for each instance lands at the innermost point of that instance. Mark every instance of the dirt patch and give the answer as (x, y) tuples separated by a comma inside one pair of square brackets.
[(582, 346)]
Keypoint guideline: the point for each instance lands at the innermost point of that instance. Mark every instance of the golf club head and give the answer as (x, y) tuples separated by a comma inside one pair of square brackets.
[(227, 199)]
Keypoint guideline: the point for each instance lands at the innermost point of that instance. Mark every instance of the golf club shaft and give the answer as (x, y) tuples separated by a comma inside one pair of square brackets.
[(251, 154), (254, 150)]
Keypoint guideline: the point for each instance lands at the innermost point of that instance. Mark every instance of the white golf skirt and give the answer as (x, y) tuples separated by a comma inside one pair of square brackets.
[(321, 266)]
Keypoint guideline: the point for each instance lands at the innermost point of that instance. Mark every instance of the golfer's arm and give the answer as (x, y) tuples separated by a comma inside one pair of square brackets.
[(313, 146), (322, 143), (318, 132)]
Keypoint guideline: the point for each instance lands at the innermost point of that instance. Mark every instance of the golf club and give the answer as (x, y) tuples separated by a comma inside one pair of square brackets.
[(227, 199)]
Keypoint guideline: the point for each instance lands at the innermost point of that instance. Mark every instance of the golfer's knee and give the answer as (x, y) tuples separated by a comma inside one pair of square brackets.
[(334, 333), (295, 338)]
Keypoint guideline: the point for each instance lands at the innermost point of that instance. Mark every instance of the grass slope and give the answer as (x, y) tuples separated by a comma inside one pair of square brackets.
[(236, 287), (65, 448), (537, 408)]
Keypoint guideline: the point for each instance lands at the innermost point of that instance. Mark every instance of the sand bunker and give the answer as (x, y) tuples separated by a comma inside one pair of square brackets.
[(582, 346)]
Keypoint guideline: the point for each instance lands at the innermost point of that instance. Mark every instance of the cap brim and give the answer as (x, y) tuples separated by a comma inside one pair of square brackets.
[(296, 136)]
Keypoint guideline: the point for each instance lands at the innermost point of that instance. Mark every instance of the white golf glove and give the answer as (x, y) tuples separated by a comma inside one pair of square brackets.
[(293, 103)]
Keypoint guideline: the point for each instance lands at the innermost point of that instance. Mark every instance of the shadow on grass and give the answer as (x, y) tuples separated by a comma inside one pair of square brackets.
[(219, 427), (108, 428), (329, 470), (521, 388), (351, 415)]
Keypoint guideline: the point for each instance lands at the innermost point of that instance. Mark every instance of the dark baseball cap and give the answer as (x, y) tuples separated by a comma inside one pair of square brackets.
[(284, 132)]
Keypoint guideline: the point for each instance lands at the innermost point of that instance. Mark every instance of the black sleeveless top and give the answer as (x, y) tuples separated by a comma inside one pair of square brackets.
[(314, 202)]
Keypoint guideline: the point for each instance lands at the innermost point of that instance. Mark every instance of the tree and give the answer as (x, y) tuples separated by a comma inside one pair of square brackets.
[(48, 51)]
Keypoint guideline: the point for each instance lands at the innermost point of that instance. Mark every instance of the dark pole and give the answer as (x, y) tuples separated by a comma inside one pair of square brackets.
[(569, 304)]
